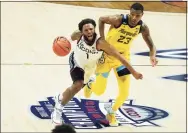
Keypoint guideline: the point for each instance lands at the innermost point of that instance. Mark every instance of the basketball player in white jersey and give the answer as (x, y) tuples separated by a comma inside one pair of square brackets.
[(83, 62)]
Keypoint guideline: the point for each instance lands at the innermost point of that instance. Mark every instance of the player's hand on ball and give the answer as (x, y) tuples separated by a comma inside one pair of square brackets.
[(61, 46), (153, 61), (57, 38), (137, 75)]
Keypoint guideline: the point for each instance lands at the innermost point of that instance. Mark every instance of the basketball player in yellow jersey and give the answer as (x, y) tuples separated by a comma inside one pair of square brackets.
[(124, 29)]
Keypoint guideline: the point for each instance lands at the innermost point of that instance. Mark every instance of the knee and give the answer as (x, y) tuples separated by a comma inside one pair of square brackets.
[(99, 89), (99, 86), (78, 85)]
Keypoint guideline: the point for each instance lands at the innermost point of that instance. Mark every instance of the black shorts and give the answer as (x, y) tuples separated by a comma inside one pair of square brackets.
[(76, 72), (123, 72)]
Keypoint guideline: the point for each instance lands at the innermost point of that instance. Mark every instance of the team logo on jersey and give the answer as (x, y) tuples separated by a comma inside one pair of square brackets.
[(172, 53), (90, 114), (82, 47), (102, 59), (182, 77)]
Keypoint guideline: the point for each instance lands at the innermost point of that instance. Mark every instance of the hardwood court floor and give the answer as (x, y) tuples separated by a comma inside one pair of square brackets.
[(179, 7), (27, 38)]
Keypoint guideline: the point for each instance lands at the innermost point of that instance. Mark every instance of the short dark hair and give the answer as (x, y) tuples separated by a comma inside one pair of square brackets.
[(86, 21), (137, 6), (64, 128)]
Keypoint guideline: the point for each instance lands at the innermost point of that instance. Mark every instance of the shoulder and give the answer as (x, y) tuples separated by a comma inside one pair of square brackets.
[(101, 44), (119, 20), (119, 17), (143, 27), (114, 20), (112, 17)]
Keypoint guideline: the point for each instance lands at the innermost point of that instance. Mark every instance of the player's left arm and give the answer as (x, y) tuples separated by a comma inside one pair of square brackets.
[(147, 38), (76, 35)]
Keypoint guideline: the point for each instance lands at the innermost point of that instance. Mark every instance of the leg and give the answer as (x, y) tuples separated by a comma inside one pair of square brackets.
[(123, 78), (62, 99), (78, 82), (77, 75), (98, 84), (89, 71)]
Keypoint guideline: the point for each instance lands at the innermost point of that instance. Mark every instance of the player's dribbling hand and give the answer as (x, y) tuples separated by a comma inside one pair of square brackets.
[(153, 61), (137, 75), (58, 38)]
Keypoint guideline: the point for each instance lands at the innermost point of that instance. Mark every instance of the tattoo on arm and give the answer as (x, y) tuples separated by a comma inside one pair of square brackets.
[(147, 38), (112, 20)]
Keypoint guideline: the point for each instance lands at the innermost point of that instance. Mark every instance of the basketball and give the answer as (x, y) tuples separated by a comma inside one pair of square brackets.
[(61, 46)]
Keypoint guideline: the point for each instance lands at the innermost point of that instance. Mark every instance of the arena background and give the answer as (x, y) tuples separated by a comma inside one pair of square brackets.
[(31, 73)]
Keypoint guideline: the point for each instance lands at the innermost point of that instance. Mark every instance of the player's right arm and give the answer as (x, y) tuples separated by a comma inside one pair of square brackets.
[(110, 50), (76, 35), (113, 20)]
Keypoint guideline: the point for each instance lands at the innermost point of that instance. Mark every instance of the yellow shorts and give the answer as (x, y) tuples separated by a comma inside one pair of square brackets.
[(106, 63)]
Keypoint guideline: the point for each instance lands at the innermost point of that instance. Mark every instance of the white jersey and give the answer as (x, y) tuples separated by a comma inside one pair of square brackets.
[(85, 54)]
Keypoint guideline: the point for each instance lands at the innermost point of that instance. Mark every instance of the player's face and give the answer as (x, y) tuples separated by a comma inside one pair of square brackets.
[(88, 31), (135, 16)]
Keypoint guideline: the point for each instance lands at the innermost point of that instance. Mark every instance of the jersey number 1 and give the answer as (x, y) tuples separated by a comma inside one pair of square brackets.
[(87, 55), (124, 39)]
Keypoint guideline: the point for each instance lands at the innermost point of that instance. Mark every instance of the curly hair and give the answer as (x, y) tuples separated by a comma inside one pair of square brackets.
[(86, 21), (64, 128)]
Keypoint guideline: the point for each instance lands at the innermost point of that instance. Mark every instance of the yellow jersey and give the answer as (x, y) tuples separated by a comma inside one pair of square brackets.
[(121, 37)]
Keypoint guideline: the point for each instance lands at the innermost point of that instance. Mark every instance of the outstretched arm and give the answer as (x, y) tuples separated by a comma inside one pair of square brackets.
[(147, 38), (113, 20), (76, 35), (109, 49)]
